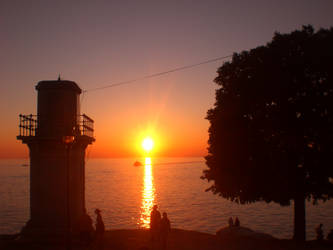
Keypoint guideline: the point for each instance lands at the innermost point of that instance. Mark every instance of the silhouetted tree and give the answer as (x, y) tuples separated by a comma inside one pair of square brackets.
[(271, 129)]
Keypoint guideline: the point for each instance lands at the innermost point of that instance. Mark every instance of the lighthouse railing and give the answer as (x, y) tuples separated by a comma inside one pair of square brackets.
[(28, 126), (86, 125)]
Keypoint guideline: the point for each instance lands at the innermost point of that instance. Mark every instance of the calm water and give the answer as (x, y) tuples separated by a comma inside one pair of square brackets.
[(126, 193)]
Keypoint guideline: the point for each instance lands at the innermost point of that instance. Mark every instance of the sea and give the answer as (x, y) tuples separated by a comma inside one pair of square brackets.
[(126, 193)]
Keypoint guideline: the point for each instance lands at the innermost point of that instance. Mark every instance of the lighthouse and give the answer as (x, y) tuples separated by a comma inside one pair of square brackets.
[(57, 138)]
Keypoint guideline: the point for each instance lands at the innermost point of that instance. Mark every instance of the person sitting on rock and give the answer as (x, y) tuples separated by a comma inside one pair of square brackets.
[(86, 229)]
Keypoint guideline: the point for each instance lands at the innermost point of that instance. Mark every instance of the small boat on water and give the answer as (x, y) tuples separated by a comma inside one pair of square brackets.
[(137, 164)]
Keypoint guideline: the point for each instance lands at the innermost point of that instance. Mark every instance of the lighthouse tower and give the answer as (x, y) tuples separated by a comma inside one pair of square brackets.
[(57, 138)]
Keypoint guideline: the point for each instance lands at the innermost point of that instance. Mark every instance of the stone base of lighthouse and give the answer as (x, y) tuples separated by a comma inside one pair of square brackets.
[(56, 168), (49, 234)]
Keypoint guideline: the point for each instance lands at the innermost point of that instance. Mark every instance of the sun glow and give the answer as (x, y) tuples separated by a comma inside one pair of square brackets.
[(147, 144)]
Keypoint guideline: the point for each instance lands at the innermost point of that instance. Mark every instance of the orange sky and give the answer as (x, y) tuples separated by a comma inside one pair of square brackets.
[(174, 123), (106, 42), (124, 116)]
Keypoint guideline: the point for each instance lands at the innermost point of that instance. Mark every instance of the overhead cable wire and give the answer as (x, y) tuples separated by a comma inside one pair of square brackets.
[(157, 74)]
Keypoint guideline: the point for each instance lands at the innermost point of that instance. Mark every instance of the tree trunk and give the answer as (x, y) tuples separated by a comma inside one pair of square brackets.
[(299, 218)]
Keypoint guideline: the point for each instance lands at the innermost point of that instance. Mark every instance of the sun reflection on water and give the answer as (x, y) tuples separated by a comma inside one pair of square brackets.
[(148, 194)]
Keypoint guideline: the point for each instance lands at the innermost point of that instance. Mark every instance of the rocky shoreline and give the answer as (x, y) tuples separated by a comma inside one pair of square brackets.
[(137, 239)]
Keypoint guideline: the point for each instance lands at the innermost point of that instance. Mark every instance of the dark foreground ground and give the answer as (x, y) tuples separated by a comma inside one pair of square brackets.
[(135, 239)]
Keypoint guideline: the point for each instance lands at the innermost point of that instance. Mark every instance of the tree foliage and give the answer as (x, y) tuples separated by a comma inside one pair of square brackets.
[(271, 129)]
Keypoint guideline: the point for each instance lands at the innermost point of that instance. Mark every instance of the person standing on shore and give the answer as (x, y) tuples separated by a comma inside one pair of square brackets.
[(165, 230), (231, 222), (155, 221), (237, 223), (319, 232), (100, 229)]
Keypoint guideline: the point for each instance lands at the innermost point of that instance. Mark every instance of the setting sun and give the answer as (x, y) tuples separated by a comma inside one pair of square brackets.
[(147, 144)]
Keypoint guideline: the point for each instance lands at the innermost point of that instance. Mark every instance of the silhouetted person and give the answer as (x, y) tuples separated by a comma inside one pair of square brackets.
[(330, 235), (319, 232), (155, 220), (237, 223), (100, 228), (230, 222), (165, 229), (86, 229)]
